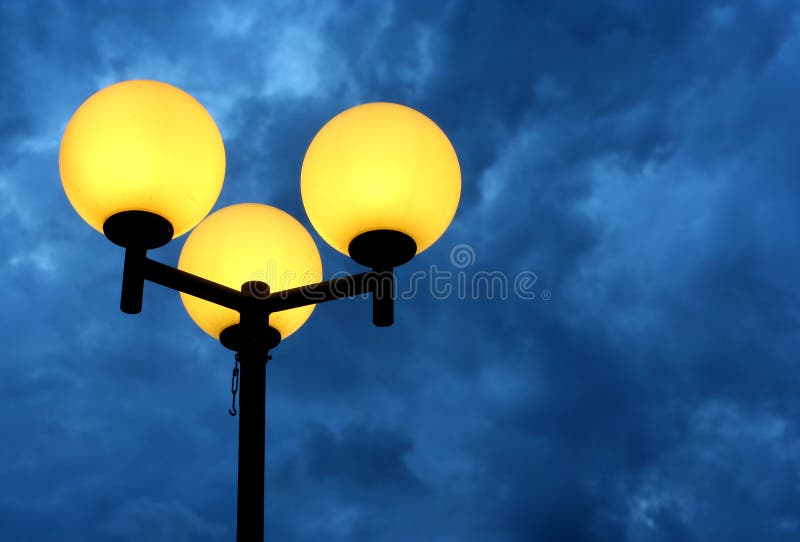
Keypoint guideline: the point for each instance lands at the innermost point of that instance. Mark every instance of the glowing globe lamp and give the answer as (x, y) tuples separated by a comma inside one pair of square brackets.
[(250, 242), (380, 182), (142, 149)]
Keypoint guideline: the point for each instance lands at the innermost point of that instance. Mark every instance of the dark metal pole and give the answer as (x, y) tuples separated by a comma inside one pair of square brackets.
[(383, 298), (254, 345), (253, 337), (133, 279), (252, 419)]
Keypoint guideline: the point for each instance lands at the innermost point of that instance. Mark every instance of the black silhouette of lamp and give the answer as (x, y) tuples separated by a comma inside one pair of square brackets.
[(143, 162)]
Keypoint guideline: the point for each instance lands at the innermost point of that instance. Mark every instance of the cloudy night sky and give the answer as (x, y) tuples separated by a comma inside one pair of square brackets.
[(638, 159)]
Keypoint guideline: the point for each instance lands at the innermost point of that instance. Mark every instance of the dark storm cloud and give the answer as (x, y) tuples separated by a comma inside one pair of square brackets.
[(638, 157), (360, 459)]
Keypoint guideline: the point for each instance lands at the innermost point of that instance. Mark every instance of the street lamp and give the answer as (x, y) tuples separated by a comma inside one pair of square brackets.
[(143, 162)]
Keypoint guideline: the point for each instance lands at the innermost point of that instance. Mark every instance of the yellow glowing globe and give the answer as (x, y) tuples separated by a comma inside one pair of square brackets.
[(248, 242), (142, 146), (380, 166)]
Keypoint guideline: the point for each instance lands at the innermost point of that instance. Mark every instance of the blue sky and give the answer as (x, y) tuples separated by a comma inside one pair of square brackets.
[(638, 158)]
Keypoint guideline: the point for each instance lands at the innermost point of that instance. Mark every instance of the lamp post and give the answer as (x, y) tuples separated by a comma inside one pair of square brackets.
[(143, 162)]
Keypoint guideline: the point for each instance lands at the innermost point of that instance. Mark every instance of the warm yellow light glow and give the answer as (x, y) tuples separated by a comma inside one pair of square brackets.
[(142, 145), (245, 242), (380, 166)]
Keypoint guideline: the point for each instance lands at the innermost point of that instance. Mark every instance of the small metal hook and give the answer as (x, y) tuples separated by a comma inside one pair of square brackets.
[(234, 385)]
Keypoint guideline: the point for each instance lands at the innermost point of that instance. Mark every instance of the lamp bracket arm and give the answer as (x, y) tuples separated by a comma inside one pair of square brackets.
[(320, 292), (378, 282), (188, 283)]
